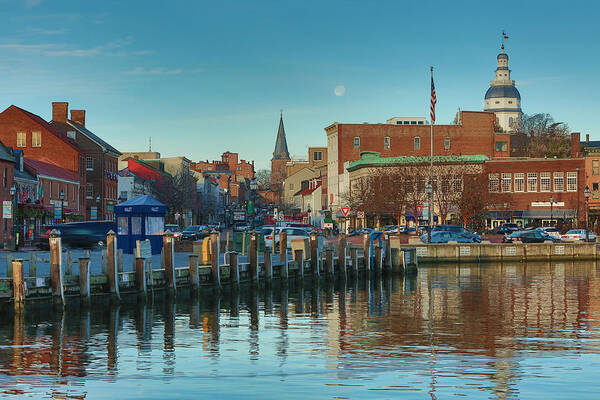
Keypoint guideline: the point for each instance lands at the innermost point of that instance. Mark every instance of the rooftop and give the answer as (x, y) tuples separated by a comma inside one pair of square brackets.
[(374, 159)]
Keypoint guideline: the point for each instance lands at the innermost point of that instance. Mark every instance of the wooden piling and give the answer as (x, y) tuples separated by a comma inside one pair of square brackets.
[(314, 254), (168, 259), (56, 275), (68, 263), (84, 279), (268, 267), (18, 280), (214, 259), (194, 276), (120, 260), (329, 262), (299, 258), (387, 259), (32, 264), (354, 257), (9, 259), (367, 252), (378, 260), (111, 263), (140, 275), (283, 255), (342, 255), (234, 268), (253, 256)]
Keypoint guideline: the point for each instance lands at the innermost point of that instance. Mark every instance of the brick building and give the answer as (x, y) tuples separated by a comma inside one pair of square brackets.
[(7, 163), (42, 142), (474, 134), (101, 161)]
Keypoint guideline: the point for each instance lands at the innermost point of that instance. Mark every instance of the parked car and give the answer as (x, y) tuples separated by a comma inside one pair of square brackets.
[(89, 234), (195, 232), (292, 233), (530, 236), (577, 235), (458, 229), (507, 228), (175, 230), (448, 236), (551, 231), (241, 226)]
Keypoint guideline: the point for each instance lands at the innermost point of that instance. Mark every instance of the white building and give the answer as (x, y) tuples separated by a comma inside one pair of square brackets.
[(503, 98), (407, 121)]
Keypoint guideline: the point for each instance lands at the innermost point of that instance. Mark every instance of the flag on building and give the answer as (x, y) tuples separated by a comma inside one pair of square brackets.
[(433, 99)]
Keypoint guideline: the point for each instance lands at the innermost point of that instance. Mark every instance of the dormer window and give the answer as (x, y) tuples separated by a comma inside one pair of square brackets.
[(71, 135)]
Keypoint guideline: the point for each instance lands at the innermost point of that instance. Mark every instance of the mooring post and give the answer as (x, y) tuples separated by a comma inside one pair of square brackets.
[(111, 263), (18, 284), (214, 259), (120, 260), (254, 256), (354, 257), (32, 264), (56, 275), (168, 255), (268, 267), (387, 260), (68, 263), (194, 276), (140, 276), (283, 272), (299, 258), (314, 254), (329, 261), (367, 252), (84, 279), (228, 243), (234, 268), (378, 260), (342, 254)]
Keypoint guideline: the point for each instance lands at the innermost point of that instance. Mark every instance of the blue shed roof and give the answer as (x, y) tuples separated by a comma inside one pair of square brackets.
[(141, 204)]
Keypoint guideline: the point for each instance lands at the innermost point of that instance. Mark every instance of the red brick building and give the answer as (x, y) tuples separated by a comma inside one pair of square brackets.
[(42, 142), (101, 161), (7, 164)]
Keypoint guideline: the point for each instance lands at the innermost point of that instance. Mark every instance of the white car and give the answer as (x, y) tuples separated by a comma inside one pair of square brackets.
[(292, 233), (552, 231), (577, 235)]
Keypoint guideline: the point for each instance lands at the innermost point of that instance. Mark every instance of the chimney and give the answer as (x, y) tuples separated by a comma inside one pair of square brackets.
[(78, 116), (587, 139), (59, 111), (575, 144)]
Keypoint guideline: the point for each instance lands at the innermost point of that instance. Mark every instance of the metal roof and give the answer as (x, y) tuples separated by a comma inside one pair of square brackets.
[(374, 159), (83, 130), (509, 91), (281, 149)]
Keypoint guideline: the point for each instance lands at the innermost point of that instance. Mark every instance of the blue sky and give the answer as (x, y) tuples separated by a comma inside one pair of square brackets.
[(201, 77)]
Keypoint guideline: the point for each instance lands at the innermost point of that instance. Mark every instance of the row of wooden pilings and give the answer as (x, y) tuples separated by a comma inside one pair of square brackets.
[(206, 270)]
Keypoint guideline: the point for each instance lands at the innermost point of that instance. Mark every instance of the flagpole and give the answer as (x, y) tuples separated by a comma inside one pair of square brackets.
[(430, 199)]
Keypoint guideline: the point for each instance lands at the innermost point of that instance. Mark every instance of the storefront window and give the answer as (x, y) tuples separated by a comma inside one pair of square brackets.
[(155, 225)]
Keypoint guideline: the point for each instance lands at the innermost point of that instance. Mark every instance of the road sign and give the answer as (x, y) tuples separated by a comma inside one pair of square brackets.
[(360, 214), (419, 209), (345, 211)]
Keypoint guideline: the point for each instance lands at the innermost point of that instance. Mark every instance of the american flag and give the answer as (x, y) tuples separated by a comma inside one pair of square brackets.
[(433, 100)]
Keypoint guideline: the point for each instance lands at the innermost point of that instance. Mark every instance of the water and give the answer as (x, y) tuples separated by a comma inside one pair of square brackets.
[(495, 331)]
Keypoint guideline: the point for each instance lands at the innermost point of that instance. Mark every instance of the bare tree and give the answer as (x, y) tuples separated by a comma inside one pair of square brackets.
[(177, 192), (547, 138), (263, 178)]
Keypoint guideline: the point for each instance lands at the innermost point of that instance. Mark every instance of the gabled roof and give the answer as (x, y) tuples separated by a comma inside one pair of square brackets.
[(51, 170), (90, 135), (6, 154), (306, 192), (281, 149)]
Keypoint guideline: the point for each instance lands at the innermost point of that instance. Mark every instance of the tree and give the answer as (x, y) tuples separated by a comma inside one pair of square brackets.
[(263, 178), (177, 192), (497, 127), (474, 201), (547, 138)]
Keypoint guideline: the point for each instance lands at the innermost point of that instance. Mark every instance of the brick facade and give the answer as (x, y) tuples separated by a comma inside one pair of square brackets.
[(7, 169)]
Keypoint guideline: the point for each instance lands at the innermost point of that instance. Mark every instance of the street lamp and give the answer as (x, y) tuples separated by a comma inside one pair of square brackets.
[(429, 190), (13, 191), (62, 205), (586, 194), (551, 204)]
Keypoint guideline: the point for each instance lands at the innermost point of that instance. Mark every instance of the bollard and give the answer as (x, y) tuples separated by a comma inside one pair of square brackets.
[(9, 258), (111, 264), (329, 261), (378, 260), (140, 275), (234, 268), (268, 267), (214, 258), (243, 242), (314, 254), (120, 260), (56, 276), (253, 256), (228, 244), (84, 279), (18, 284), (32, 264), (299, 258), (342, 254), (387, 259), (194, 276), (282, 245), (354, 257), (104, 263), (168, 255), (68, 263), (367, 252)]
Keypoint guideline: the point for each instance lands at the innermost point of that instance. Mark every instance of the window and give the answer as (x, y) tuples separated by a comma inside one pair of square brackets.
[(571, 181), (595, 193), (506, 181), (413, 122), (417, 143), (559, 182), (5, 177), (595, 167), (406, 122), (447, 143), (501, 146), (497, 102), (123, 195), (89, 191), (544, 181), (519, 182), (291, 186), (21, 139), (421, 123), (318, 156), (494, 184), (36, 139), (71, 134), (386, 143), (356, 142), (532, 181), (89, 163), (510, 102)]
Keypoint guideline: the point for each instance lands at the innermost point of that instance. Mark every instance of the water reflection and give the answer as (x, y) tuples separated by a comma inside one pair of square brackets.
[(487, 330)]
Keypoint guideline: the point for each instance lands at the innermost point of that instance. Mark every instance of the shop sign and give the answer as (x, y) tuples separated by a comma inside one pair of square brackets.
[(7, 209)]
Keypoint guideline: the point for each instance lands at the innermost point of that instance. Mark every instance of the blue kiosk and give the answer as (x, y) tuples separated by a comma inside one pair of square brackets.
[(140, 218)]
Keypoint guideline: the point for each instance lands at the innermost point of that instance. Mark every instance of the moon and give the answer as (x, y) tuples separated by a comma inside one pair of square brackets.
[(339, 90)]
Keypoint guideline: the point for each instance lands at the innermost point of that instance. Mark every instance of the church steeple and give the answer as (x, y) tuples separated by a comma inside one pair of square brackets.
[(281, 149)]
